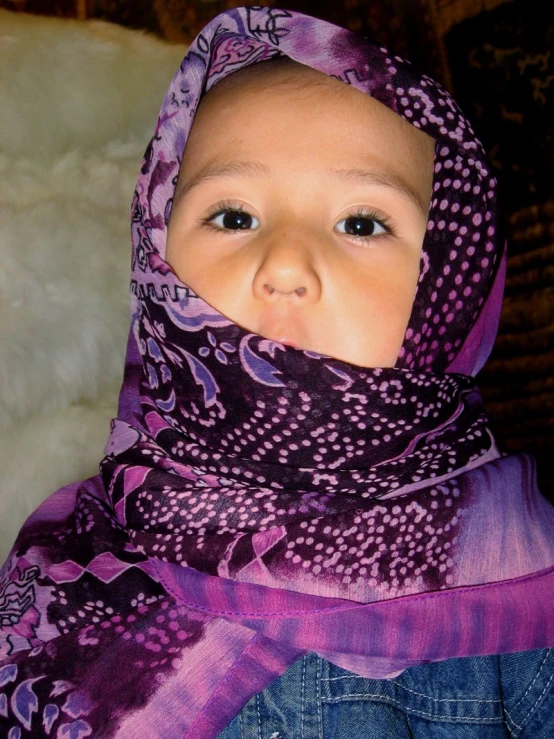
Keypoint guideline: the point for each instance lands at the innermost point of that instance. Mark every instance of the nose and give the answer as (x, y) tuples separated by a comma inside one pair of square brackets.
[(287, 273)]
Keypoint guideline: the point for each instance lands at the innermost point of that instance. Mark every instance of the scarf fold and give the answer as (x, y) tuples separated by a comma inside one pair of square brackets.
[(257, 501)]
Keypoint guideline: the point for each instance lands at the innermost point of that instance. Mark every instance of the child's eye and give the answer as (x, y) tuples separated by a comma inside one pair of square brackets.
[(229, 217), (364, 225)]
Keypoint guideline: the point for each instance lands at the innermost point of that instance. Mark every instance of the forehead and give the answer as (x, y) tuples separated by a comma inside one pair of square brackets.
[(289, 81), (312, 117)]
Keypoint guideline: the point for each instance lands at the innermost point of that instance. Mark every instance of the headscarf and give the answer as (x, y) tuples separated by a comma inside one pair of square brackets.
[(258, 501)]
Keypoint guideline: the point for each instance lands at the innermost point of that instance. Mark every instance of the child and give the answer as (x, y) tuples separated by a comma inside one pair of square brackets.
[(300, 489)]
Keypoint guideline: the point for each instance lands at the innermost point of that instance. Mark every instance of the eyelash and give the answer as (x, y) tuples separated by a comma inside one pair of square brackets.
[(226, 206)]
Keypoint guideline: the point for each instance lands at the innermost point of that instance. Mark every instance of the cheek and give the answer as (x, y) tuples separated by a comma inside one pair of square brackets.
[(220, 281), (173, 252), (183, 252), (380, 309), (186, 257)]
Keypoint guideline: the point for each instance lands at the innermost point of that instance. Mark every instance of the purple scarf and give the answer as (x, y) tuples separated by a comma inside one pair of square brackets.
[(257, 501)]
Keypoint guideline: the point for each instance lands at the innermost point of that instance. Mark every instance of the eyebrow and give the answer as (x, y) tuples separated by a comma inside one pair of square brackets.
[(257, 170)]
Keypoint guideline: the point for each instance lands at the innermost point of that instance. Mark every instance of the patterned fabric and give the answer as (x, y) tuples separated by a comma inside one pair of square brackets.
[(257, 501)]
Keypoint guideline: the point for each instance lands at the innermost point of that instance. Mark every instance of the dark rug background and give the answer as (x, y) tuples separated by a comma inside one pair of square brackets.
[(497, 58)]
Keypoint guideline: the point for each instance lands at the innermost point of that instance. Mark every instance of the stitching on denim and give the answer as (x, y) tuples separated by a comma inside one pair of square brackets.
[(303, 696), (340, 609), (445, 700), (537, 701), (416, 711), (258, 715), (422, 695), (533, 681), (353, 676), (407, 717), (319, 701), (510, 721)]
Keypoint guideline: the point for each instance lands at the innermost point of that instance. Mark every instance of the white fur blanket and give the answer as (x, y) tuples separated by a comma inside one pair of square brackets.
[(78, 104)]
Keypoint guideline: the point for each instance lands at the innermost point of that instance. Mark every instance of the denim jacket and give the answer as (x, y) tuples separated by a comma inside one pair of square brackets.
[(510, 695)]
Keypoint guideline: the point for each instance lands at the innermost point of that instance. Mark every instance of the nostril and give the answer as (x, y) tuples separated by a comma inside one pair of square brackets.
[(300, 291)]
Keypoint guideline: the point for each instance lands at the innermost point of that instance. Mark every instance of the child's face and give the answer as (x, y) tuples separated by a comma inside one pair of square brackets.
[(290, 266)]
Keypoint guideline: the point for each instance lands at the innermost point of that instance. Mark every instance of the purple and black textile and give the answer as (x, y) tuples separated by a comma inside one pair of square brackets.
[(257, 501)]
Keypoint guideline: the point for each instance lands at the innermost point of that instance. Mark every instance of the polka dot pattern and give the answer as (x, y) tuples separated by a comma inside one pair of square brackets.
[(389, 547), (256, 459)]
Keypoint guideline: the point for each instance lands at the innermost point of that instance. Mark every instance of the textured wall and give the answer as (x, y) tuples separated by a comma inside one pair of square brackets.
[(501, 68)]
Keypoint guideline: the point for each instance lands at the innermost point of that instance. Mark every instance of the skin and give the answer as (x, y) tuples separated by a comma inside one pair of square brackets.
[(293, 267)]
